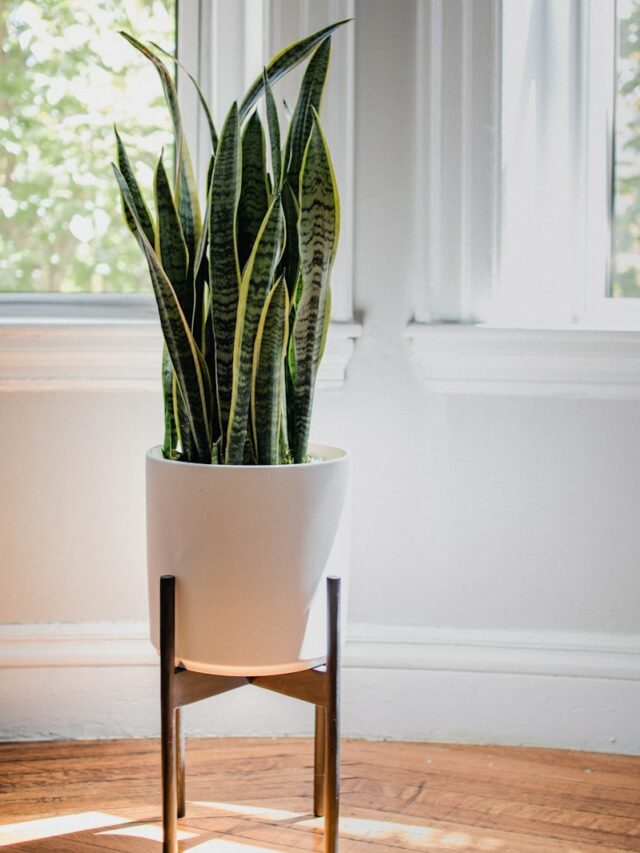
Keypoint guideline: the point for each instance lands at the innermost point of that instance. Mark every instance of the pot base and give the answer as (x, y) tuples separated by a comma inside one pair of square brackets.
[(218, 669)]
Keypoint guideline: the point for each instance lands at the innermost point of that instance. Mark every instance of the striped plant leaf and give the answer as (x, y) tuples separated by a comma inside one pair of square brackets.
[(318, 234), (209, 353), (254, 288), (309, 99), (290, 381), (224, 270), (267, 386), (254, 195), (170, 429), (283, 62), (327, 323), (141, 208), (274, 134), (175, 395), (186, 191), (201, 267), (201, 97), (186, 358), (290, 264), (201, 274), (181, 420), (170, 246)]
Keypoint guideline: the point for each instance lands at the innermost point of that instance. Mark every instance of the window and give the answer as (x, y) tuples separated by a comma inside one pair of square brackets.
[(563, 252), (68, 72), (515, 141), (546, 320), (626, 187), (66, 78)]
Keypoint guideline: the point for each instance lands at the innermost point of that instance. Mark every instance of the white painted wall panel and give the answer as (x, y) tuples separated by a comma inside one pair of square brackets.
[(469, 511)]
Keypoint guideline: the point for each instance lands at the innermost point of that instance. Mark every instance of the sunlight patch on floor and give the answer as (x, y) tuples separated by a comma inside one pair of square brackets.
[(408, 835), (251, 811), (222, 845), (404, 835), (151, 831), (33, 830)]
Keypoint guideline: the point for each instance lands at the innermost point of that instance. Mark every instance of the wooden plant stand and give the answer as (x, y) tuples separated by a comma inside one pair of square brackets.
[(320, 686)]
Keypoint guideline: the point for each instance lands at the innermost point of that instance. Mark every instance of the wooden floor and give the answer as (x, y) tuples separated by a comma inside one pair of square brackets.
[(255, 795)]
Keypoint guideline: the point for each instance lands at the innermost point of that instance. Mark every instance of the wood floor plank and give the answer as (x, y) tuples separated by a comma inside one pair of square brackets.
[(256, 795)]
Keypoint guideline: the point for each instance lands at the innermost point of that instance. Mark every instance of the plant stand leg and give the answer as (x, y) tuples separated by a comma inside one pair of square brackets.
[(319, 686), (332, 751), (168, 715), (319, 760), (180, 763)]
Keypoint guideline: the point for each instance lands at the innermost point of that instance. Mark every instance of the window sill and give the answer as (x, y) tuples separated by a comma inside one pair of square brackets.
[(579, 362), (77, 344)]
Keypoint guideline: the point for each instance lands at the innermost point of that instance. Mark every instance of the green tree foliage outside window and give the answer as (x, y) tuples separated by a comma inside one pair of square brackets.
[(66, 77), (626, 267)]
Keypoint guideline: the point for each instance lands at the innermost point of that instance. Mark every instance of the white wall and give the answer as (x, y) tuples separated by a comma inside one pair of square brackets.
[(495, 586)]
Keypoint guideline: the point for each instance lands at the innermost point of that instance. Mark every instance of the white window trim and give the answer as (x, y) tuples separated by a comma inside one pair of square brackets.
[(115, 355), (570, 363), (113, 342)]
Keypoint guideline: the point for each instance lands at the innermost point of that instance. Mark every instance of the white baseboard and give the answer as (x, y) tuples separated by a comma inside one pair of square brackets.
[(571, 690)]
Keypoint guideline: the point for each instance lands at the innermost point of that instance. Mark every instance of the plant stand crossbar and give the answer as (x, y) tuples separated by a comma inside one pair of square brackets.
[(319, 686)]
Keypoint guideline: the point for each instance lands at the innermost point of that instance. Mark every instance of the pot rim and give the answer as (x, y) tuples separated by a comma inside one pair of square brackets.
[(154, 454)]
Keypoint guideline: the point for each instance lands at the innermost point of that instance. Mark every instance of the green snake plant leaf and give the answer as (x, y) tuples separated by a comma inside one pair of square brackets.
[(186, 191), (186, 359), (203, 243), (170, 430), (170, 246), (267, 386), (141, 208), (201, 268), (224, 269), (309, 99), (273, 124), (327, 323), (181, 420), (254, 289), (283, 62), (318, 233), (290, 264), (201, 97), (254, 195)]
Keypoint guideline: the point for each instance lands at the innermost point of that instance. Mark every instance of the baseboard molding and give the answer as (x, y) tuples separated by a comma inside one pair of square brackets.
[(368, 646), (574, 690), (551, 653)]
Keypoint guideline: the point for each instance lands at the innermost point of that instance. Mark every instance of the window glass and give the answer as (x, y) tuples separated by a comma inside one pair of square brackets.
[(626, 231), (66, 77)]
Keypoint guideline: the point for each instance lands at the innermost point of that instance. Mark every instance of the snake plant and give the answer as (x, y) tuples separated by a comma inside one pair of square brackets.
[(243, 287)]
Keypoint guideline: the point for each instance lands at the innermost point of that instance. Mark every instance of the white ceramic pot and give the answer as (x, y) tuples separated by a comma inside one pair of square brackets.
[(248, 546)]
